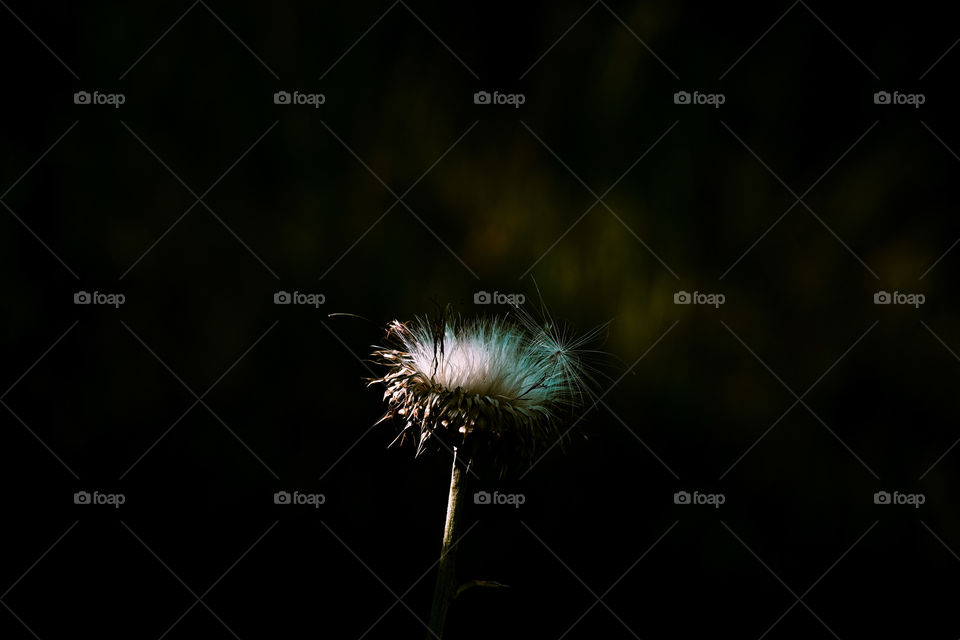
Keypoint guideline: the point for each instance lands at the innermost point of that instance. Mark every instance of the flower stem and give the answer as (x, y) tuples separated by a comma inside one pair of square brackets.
[(444, 592)]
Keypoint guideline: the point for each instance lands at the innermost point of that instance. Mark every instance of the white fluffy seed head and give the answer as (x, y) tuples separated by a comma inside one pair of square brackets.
[(498, 359), (509, 381)]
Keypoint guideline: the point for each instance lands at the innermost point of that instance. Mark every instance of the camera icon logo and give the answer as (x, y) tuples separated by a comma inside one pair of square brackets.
[(281, 97), (881, 497), (81, 97), (282, 297), (681, 97), (481, 97), (682, 297), (481, 497), (681, 497), (482, 297), (882, 297), (881, 97), (81, 297), (81, 497), (281, 497)]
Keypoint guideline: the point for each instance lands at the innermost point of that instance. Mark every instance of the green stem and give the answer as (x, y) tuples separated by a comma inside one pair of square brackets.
[(445, 590)]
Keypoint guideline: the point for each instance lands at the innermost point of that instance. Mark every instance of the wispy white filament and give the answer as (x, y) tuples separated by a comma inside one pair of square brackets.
[(520, 363)]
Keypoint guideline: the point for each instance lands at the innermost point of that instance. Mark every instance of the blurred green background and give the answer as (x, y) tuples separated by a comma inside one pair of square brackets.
[(599, 195)]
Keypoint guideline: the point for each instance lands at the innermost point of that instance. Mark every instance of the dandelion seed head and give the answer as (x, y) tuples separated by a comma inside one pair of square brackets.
[(488, 358), (506, 377)]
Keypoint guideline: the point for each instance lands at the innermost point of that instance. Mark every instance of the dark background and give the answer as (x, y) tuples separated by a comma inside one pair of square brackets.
[(94, 199)]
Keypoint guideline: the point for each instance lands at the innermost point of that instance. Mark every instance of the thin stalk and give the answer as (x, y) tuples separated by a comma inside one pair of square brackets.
[(445, 590)]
